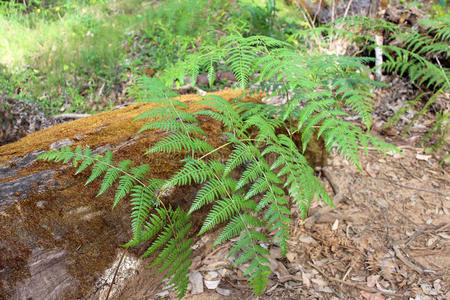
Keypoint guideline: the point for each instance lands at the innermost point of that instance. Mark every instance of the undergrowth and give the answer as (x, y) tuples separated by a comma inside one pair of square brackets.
[(422, 56), (251, 190), (76, 56)]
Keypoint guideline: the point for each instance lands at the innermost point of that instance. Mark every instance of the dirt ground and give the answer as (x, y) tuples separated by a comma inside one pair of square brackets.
[(388, 237)]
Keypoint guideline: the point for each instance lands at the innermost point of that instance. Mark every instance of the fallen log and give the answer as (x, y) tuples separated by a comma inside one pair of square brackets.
[(56, 237)]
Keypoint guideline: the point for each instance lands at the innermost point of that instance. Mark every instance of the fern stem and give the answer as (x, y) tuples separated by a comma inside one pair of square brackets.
[(181, 119), (238, 212), (442, 69)]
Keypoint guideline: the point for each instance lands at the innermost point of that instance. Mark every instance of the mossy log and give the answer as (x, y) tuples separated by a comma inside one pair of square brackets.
[(56, 237)]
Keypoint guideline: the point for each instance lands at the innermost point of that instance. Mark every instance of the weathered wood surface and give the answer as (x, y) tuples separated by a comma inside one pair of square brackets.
[(56, 237)]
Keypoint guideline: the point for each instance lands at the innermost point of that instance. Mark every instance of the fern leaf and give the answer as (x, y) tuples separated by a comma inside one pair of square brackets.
[(112, 174), (177, 142)]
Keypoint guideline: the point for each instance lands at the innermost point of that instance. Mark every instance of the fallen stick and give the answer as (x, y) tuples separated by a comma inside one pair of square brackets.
[(191, 86), (361, 287), (403, 258), (411, 187), (70, 116)]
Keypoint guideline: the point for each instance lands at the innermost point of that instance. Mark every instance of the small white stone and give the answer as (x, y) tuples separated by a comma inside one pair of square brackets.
[(426, 288), (162, 294), (212, 284), (212, 275), (335, 225), (223, 292), (196, 279), (41, 204)]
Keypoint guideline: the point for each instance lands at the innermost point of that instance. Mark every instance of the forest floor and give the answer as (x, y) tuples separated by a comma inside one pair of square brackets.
[(388, 237)]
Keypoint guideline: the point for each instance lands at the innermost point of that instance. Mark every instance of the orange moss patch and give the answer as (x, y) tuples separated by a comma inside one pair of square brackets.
[(105, 128), (72, 217)]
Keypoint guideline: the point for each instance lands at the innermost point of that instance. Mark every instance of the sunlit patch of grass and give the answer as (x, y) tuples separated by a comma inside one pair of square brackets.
[(65, 51)]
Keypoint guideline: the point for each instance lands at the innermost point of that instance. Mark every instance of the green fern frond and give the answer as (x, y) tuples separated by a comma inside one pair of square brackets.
[(112, 174), (128, 180), (152, 90), (176, 248), (143, 199), (222, 211), (193, 172), (178, 142), (153, 225), (87, 160), (251, 172), (236, 225), (166, 113), (221, 110), (258, 270), (100, 166), (173, 126), (242, 53), (214, 189), (240, 154)]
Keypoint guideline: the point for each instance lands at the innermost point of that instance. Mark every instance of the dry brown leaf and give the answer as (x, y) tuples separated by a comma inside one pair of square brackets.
[(306, 279), (372, 296), (372, 280), (319, 281), (275, 252), (335, 225), (370, 171), (291, 256)]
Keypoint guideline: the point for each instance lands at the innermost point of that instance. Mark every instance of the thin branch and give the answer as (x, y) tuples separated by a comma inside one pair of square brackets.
[(115, 273), (410, 187), (361, 287), (70, 116)]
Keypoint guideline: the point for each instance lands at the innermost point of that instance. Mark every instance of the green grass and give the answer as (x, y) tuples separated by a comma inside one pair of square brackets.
[(68, 56), (61, 50)]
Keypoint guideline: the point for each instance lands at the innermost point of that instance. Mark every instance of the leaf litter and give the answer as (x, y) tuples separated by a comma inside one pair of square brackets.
[(387, 237)]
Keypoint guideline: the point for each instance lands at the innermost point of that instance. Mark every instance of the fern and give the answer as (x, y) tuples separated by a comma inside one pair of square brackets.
[(172, 225), (407, 52), (251, 188)]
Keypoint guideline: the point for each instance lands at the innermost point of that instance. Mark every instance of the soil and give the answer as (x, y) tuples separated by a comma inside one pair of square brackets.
[(388, 236)]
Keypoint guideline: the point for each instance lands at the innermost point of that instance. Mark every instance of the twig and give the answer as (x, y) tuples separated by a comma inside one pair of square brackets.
[(101, 90), (361, 287), (71, 116), (398, 147), (348, 7), (328, 175), (378, 56), (317, 11), (411, 187), (442, 69), (403, 258), (407, 171), (338, 196), (333, 10), (191, 86), (115, 273), (426, 230), (346, 273)]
